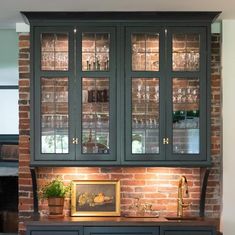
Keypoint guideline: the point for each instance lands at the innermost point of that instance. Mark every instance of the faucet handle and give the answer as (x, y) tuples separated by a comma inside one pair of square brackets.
[(185, 205), (185, 191)]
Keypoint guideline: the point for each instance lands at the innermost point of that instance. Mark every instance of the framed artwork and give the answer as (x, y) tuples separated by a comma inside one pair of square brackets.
[(95, 198)]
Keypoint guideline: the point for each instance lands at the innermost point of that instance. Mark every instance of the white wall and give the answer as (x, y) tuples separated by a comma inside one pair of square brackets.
[(228, 78), (9, 112), (9, 117), (8, 57)]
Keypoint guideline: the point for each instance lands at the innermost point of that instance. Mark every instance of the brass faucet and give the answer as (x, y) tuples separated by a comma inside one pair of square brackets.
[(182, 191)]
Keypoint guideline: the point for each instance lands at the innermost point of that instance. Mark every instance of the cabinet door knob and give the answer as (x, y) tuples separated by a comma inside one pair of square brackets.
[(165, 140), (75, 141)]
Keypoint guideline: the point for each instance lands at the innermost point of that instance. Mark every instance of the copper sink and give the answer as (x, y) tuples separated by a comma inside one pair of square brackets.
[(183, 218)]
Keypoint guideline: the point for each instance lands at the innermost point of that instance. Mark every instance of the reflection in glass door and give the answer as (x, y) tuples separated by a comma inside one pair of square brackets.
[(95, 51), (54, 115), (54, 51), (143, 94), (97, 86), (145, 51), (185, 51), (186, 115), (145, 115), (53, 63), (95, 115)]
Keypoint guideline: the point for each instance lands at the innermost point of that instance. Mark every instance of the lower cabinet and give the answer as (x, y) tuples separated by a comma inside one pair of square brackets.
[(121, 230), (118, 230), (54, 230), (187, 231)]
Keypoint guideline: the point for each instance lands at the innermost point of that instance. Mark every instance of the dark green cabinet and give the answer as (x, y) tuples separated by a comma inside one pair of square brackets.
[(54, 233), (121, 230), (108, 91), (45, 229), (190, 230), (166, 94), (75, 95), (54, 230)]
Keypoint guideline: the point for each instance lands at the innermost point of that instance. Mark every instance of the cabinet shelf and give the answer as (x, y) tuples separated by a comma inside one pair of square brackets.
[(146, 114), (55, 132), (145, 128), (95, 52), (187, 51), (99, 129), (145, 101), (103, 115), (186, 103), (185, 128), (95, 103), (54, 102)]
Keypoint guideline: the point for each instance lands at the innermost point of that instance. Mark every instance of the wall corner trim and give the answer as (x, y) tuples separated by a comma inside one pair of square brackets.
[(216, 27), (22, 28)]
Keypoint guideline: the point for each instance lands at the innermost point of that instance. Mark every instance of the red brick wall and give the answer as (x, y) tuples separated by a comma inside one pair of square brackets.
[(153, 185)]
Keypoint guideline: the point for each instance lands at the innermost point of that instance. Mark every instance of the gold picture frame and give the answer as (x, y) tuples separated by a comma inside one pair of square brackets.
[(95, 198)]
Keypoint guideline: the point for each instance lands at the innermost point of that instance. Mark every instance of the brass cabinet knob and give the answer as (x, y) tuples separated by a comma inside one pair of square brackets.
[(75, 141), (166, 141)]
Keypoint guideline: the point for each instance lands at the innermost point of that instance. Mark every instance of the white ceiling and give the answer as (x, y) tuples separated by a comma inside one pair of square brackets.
[(10, 9)]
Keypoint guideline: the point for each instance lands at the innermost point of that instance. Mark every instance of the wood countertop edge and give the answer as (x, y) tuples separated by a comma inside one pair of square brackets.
[(120, 221)]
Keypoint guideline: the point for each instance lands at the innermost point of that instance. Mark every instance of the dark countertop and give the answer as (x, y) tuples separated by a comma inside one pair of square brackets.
[(121, 221)]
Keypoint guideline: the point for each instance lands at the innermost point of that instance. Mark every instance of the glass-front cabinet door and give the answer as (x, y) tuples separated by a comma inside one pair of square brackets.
[(96, 94), (166, 94), (53, 130), (144, 85), (186, 92), (76, 100)]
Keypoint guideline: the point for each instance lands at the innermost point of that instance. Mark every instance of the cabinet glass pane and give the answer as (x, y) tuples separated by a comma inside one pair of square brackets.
[(95, 51), (145, 51), (186, 115), (95, 115), (54, 51), (145, 115), (185, 52), (54, 115)]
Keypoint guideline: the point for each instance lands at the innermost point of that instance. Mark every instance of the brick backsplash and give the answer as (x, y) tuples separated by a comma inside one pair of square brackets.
[(155, 185)]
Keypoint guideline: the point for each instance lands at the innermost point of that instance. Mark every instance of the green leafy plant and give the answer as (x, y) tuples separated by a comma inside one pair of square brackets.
[(55, 188)]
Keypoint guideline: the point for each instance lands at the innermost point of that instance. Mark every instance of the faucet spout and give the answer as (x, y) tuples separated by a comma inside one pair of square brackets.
[(182, 191)]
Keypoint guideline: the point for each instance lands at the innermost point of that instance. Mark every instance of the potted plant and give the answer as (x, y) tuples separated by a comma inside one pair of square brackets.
[(55, 192)]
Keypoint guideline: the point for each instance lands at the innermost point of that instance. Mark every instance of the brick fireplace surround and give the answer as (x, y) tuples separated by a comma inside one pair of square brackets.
[(154, 185)]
